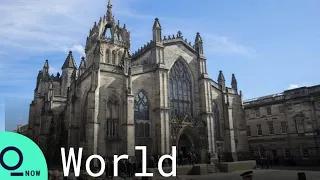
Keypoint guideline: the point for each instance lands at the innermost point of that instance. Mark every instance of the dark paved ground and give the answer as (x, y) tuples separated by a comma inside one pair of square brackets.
[(269, 174)]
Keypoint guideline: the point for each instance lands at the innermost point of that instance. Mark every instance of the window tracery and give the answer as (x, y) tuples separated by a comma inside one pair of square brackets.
[(141, 115), (180, 90), (112, 118)]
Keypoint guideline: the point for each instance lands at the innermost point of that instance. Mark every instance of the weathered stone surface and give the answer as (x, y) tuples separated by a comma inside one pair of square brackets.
[(96, 109)]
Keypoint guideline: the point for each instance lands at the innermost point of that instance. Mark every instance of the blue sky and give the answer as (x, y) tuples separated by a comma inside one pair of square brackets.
[(270, 45)]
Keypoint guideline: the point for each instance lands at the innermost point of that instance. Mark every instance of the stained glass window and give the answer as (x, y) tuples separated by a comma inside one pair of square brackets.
[(141, 115), (112, 118), (180, 90), (216, 113), (141, 108)]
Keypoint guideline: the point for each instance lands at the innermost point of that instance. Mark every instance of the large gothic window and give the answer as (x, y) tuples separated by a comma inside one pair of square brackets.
[(180, 90), (216, 114), (112, 125), (141, 115)]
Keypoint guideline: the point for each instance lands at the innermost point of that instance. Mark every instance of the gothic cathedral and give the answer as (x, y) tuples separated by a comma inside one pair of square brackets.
[(160, 96)]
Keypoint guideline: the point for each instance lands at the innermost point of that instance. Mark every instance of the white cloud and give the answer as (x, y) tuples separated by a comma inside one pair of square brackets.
[(76, 48), (51, 26), (225, 45), (293, 86)]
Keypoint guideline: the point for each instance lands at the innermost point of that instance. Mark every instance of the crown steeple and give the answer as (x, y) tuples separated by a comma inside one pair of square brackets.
[(109, 12)]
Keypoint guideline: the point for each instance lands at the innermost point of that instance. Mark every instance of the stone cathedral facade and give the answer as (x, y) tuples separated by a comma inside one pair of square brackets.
[(160, 96)]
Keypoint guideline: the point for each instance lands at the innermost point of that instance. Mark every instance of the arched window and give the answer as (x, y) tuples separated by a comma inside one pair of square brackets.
[(180, 90), (108, 33), (114, 57), (119, 57), (141, 115), (216, 114), (108, 56), (112, 118)]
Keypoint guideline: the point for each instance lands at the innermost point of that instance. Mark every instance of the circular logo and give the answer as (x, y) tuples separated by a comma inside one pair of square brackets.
[(21, 158)]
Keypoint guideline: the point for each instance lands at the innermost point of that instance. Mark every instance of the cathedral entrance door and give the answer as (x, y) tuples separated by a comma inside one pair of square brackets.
[(185, 146)]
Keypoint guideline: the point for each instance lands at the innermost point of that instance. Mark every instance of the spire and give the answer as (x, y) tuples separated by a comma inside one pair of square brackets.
[(69, 62), (46, 67), (46, 64), (156, 24), (109, 11), (221, 80), (198, 38), (234, 82), (82, 63), (156, 31), (221, 77), (198, 43)]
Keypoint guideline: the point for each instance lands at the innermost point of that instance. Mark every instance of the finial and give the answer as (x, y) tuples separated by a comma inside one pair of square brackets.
[(82, 58), (165, 38), (70, 52)]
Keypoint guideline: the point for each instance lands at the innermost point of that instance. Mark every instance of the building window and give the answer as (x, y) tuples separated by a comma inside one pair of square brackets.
[(269, 111), (112, 118), (304, 151), (259, 130), (248, 131), (141, 115), (284, 127), (287, 153), (271, 129), (281, 109), (114, 57), (216, 112), (300, 125), (261, 151), (180, 90), (257, 112), (247, 114), (107, 56)]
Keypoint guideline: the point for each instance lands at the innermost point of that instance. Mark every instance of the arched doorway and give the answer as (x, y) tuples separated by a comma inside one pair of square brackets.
[(188, 141), (185, 144)]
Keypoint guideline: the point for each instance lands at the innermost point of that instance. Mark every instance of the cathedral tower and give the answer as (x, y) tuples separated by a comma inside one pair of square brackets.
[(107, 41)]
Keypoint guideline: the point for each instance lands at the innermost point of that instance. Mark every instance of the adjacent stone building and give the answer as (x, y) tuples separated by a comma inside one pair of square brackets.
[(22, 129), (285, 126), (160, 96)]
